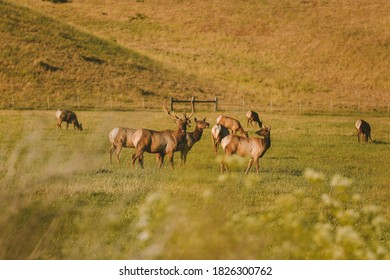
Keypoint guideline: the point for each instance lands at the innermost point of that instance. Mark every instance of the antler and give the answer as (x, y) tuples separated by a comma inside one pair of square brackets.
[(171, 114), (192, 109)]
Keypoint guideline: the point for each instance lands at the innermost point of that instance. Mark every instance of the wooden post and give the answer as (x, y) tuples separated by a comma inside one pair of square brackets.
[(271, 106), (48, 102), (13, 100), (143, 102), (216, 105), (171, 103), (78, 101), (193, 101)]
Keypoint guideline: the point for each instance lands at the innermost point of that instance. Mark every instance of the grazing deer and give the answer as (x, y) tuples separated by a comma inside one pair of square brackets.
[(218, 132), (253, 147), (68, 117), (363, 130), (191, 139), (120, 137), (252, 116), (162, 142), (232, 124)]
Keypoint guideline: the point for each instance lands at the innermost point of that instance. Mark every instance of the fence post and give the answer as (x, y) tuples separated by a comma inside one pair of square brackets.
[(13, 100), (48, 102), (171, 101), (216, 105), (193, 101), (78, 101), (271, 106)]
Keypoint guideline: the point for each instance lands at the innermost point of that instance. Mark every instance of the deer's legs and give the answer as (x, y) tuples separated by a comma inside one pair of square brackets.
[(249, 165), (257, 165), (141, 160), (170, 158), (112, 151), (138, 155), (183, 157), (224, 167), (160, 158), (117, 153)]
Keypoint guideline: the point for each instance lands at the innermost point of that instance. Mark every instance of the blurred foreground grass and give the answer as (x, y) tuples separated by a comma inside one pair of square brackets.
[(61, 199)]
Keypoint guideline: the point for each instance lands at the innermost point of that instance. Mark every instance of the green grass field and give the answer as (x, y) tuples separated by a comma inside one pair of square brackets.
[(61, 199)]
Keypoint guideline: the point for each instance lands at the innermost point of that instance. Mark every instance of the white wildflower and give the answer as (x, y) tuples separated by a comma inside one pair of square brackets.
[(313, 176), (340, 181)]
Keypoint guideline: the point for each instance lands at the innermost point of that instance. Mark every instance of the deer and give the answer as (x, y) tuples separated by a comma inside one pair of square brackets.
[(218, 132), (162, 142), (120, 137), (68, 117), (254, 147), (363, 130), (191, 139), (252, 116), (232, 124)]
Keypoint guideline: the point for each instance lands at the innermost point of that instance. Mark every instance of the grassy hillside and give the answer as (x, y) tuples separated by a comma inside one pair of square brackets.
[(320, 53), (61, 198), (46, 63)]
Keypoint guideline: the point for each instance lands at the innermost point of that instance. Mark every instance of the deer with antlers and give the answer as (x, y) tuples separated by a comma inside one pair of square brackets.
[(162, 142), (253, 147)]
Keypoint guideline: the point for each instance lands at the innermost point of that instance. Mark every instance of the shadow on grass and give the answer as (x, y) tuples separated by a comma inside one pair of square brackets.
[(380, 142)]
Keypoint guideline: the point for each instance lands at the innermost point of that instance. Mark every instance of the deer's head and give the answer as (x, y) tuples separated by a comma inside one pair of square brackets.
[(183, 121)]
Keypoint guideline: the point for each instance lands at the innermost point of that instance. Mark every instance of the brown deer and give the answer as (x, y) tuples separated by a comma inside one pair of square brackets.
[(232, 124), (162, 142), (191, 139), (363, 130), (218, 132), (252, 116), (68, 117), (120, 137), (253, 147)]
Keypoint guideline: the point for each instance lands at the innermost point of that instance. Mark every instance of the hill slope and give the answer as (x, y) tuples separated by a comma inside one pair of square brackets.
[(45, 63), (315, 53)]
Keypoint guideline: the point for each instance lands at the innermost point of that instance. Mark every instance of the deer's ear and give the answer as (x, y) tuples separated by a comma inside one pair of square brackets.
[(204, 119), (195, 120)]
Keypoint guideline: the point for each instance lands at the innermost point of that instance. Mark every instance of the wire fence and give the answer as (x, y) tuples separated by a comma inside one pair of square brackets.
[(108, 103)]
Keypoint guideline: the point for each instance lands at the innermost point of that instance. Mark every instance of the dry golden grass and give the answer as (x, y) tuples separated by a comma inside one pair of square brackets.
[(284, 51)]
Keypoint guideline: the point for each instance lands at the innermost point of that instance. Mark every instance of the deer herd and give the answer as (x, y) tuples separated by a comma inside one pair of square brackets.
[(167, 142)]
